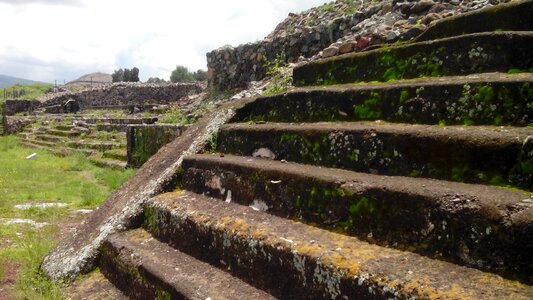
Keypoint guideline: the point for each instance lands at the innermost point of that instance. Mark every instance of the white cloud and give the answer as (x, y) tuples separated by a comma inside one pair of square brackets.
[(61, 39)]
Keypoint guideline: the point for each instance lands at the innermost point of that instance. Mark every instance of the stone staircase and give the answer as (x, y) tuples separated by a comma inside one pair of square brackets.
[(403, 188), (98, 138)]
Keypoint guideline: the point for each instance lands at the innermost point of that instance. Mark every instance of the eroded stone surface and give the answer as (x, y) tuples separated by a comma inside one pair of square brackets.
[(313, 263), (145, 268), (482, 226)]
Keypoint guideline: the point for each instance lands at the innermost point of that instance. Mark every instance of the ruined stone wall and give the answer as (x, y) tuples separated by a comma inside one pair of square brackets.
[(329, 30), (145, 140), (124, 94), (12, 107)]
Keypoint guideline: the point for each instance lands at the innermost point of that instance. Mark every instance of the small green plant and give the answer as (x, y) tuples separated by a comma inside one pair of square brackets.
[(281, 75), (327, 7), (176, 116)]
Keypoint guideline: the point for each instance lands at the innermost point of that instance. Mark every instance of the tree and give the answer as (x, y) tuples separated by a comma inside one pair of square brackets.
[(181, 74), (200, 75), (118, 75), (156, 80), (126, 75)]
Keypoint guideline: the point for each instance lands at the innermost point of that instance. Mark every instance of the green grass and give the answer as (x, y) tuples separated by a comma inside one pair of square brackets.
[(26, 91), (48, 178)]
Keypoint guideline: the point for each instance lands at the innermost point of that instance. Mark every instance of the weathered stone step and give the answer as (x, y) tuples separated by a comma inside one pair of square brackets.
[(42, 143), (96, 145), (94, 120), (296, 261), (93, 286), (49, 138), (63, 133), (144, 268), (461, 55), (55, 149), (481, 99), (64, 127), (515, 15), (117, 154), (475, 154), (477, 225), (113, 127), (99, 161)]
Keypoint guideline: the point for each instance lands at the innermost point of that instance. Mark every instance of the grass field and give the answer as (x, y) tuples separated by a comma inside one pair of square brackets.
[(25, 91), (46, 179)]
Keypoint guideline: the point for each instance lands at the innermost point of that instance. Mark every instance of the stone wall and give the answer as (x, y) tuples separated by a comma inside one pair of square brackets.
[(145, 140), (15, 124), (331, 29), (122, 94), (12, 107)]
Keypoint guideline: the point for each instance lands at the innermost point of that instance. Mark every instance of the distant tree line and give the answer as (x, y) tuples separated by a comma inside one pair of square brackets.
[(180, 74), (126, 75)]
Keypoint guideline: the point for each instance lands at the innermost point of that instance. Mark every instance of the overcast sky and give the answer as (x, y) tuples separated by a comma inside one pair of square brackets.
[(47, 40)]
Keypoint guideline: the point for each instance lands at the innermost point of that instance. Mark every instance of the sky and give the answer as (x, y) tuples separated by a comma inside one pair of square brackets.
[(47, 40)]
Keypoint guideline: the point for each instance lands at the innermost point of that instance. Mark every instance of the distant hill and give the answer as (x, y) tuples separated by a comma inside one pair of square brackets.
[(97, 77), (6, 81)]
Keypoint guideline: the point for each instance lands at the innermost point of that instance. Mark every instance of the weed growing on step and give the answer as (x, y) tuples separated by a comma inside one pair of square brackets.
[(46, 179), (280, 73), (176, 116)]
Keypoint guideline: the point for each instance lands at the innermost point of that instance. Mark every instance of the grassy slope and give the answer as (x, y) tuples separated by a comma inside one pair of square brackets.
[(31, 91), (72, 180)]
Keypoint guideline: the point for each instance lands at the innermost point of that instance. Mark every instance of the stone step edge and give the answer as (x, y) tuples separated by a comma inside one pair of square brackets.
[(482, 226), (145, 268), (473, 154), (61, 151), (313, 263), (459, 55), (433, 100), (514, 15), (99, 161)]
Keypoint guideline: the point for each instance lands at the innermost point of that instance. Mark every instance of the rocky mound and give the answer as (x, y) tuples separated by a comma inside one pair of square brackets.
[(331, 29)]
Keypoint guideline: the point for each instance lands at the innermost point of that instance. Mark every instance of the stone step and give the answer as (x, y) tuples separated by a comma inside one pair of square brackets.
[(42, 143), (93, 286), (65, 127), (55, 149), (144, 268), (479, 99), (124, 121), (49, 138), (63, 133), (117, 154), (99, 161), (475, 154), (95, 145), (482, 226), (515, 15), (292, 260), (461, 55)]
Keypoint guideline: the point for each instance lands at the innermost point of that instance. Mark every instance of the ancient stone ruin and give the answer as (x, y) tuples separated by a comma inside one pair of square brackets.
[(403, 171)]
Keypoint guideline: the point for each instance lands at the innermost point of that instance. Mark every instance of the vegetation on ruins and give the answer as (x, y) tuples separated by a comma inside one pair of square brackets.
[(281, 75)]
